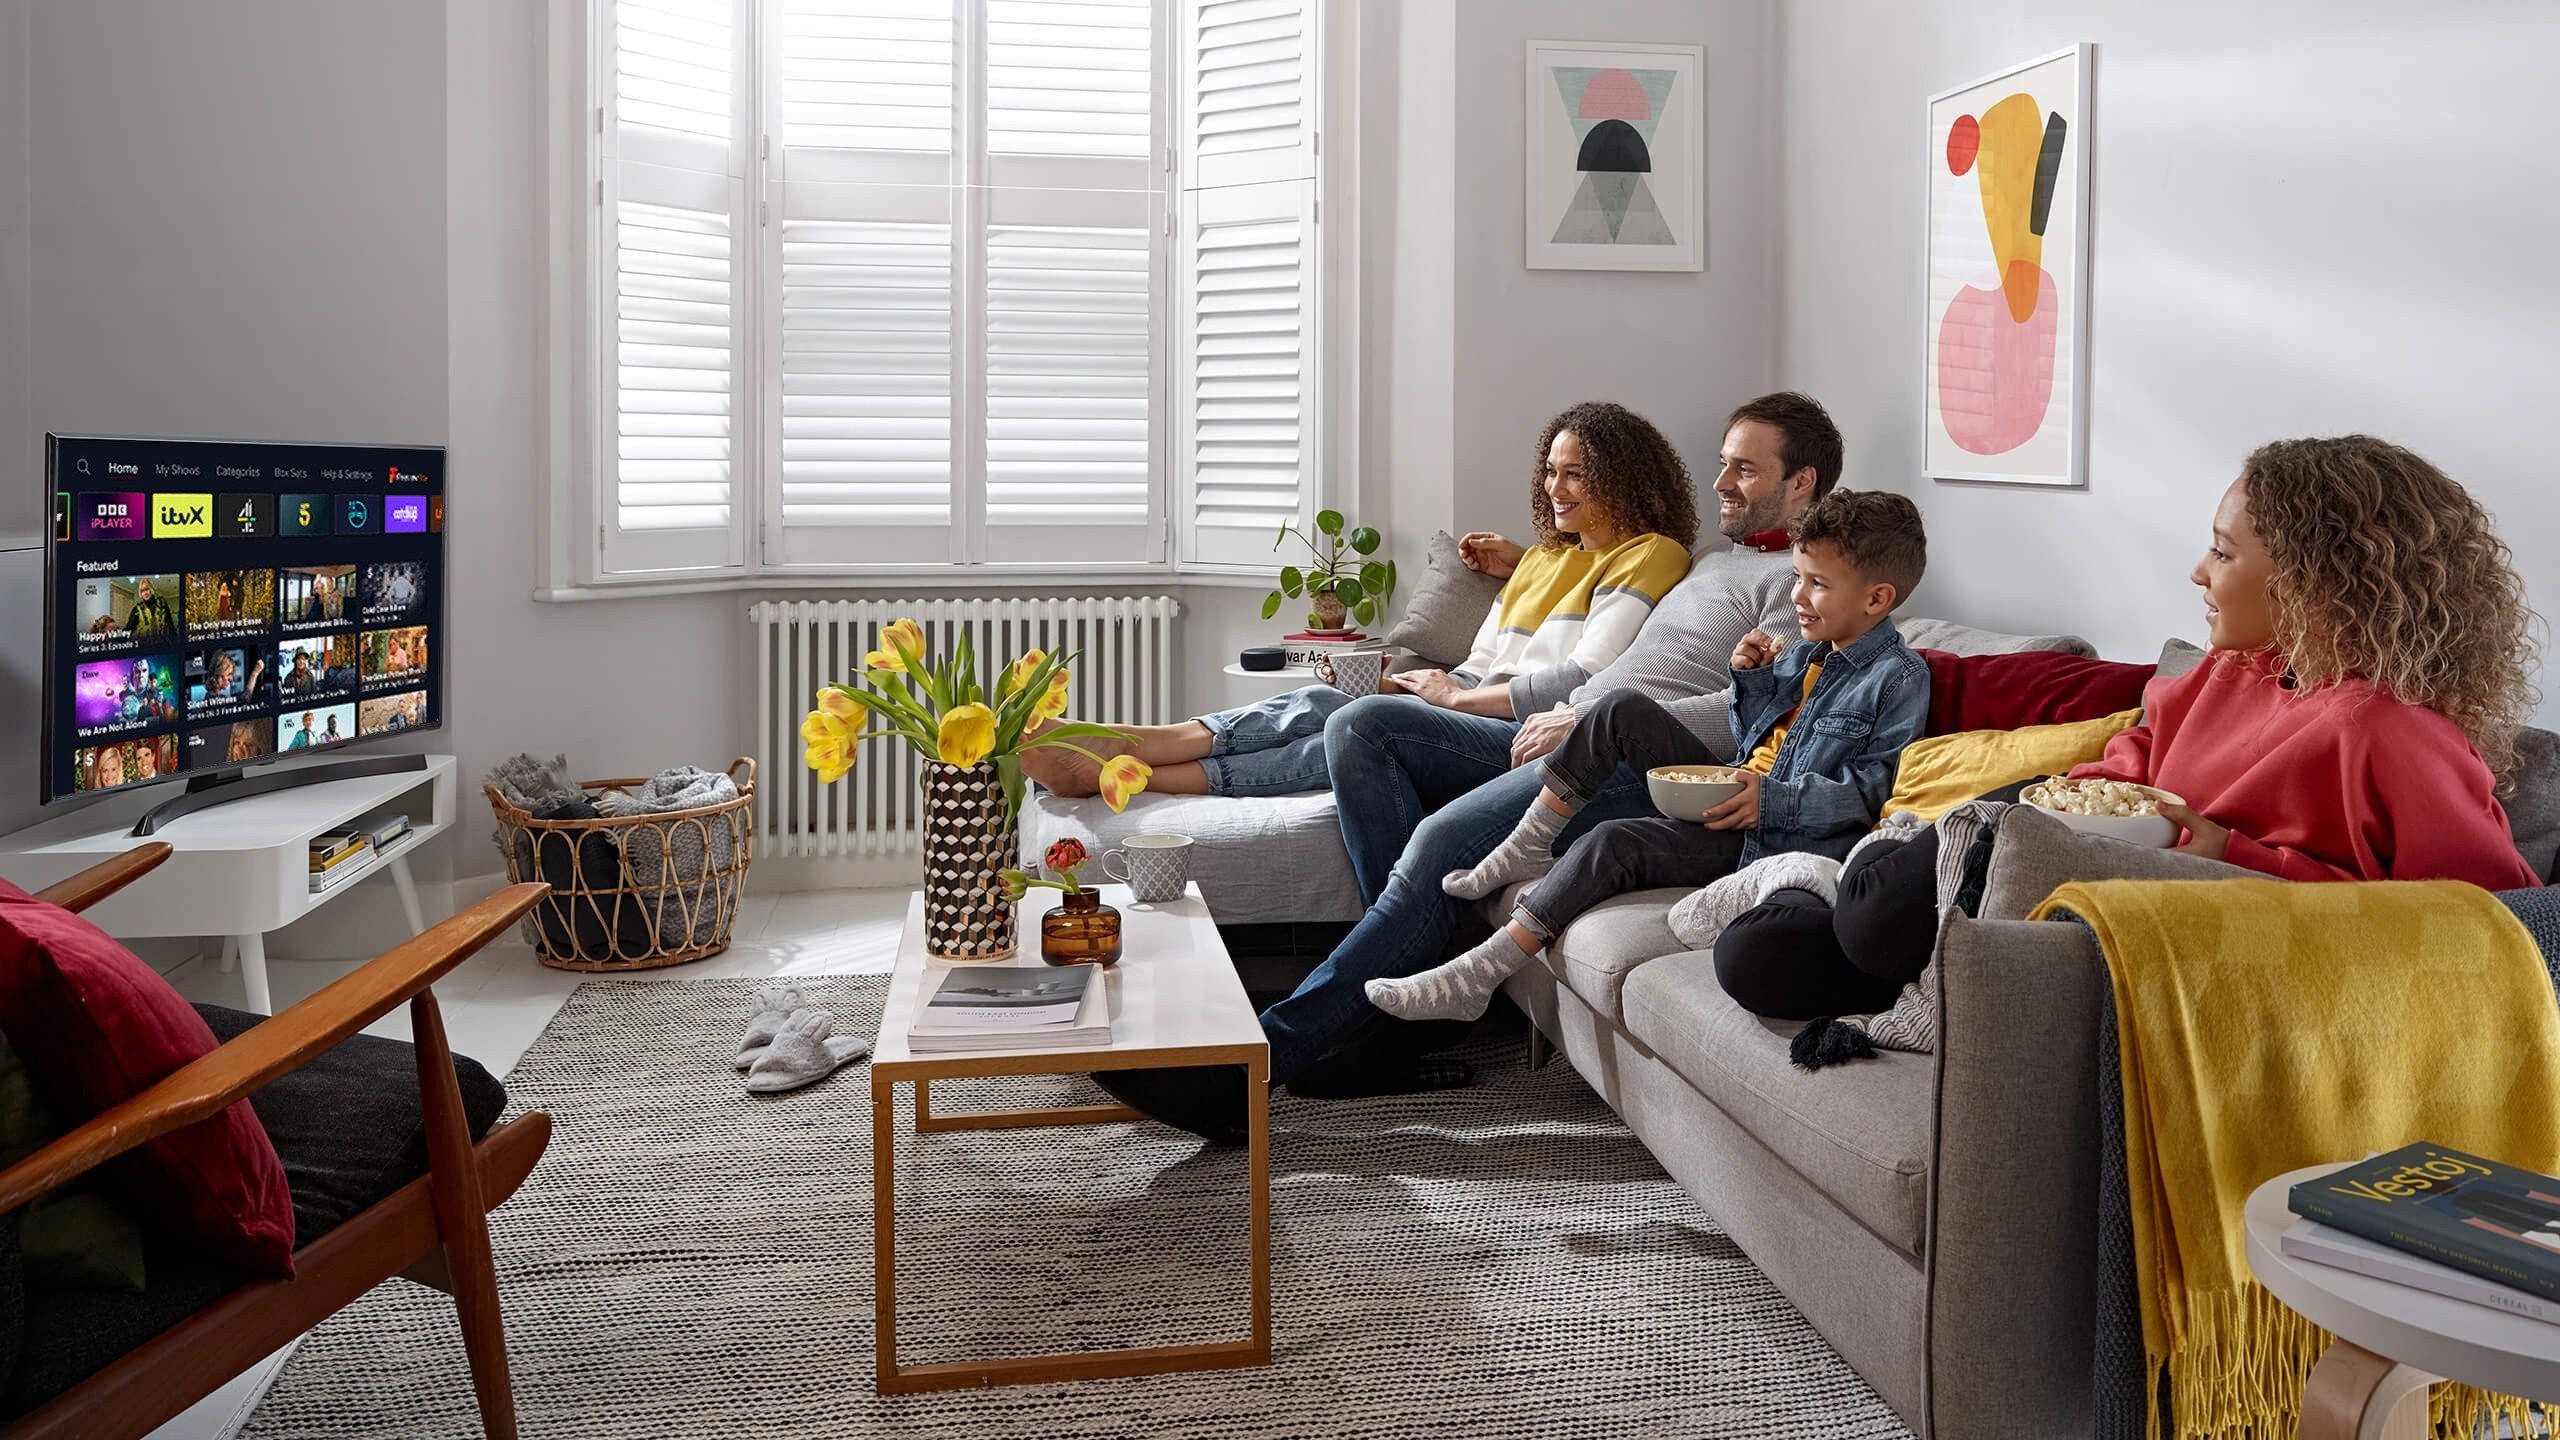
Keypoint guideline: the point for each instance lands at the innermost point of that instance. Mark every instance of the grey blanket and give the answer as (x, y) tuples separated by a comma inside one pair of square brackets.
[(2121, 1370)]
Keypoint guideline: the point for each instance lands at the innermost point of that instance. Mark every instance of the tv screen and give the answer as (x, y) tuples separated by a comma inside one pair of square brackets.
[(213, 604)]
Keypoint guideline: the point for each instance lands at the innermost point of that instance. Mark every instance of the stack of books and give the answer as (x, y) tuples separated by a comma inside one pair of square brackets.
[(1012, 1007), (336, 855), (2437, 1220), (1306, 648)]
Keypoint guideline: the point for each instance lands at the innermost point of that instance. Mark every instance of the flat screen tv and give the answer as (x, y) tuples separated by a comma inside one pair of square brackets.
[(215, 605)]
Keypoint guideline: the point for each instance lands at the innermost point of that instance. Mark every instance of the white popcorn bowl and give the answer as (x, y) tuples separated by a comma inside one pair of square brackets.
[(1684, 799), (2155, 831)]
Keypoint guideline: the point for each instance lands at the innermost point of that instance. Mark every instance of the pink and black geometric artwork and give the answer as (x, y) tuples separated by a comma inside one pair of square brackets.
[(1615, 177), (1614, 111)]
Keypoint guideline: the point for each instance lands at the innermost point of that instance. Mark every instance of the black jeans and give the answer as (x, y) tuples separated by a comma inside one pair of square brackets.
[(1620, 857), (1623, 727), (1791, 957)]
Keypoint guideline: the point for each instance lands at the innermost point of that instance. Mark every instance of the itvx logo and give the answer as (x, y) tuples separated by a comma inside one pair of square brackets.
[(180, 517)]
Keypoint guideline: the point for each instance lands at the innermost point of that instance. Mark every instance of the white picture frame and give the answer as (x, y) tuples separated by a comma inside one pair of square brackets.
[(2004, 363), (1640, 112)]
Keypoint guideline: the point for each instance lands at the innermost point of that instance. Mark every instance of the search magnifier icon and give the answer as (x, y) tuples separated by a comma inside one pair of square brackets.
[(84, 467)]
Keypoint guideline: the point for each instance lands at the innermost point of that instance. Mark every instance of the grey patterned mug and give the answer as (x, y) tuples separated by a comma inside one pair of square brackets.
[(1353, 672), (1159, 866)]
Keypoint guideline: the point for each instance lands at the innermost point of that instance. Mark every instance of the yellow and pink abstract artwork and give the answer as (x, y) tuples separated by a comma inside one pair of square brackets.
[(2006, 271)]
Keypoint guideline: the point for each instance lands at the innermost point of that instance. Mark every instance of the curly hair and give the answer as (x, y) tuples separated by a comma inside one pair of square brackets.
[(1636, 479), (2388, 571)]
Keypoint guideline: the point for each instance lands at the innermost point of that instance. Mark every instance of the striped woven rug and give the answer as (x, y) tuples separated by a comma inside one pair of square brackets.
[(687, 1261)]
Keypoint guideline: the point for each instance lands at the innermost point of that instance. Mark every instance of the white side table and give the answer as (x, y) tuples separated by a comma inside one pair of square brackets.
[(1247, 686), (240, 869), (2393, 1341)]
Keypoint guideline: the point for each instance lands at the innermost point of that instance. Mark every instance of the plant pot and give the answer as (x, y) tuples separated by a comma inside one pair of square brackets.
[(1080, 931), (969, 839), (1330, 612)]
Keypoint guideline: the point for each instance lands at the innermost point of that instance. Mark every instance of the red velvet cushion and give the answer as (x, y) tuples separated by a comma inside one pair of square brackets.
[(94, 1026), (2030, 687)]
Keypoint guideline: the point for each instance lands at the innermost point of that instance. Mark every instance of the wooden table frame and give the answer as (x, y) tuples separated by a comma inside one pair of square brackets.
[(893, 1378)]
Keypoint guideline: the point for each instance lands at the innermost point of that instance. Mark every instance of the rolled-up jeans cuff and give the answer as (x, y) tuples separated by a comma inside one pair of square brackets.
[(1527, 919), (1221, 734), (1570, 789)]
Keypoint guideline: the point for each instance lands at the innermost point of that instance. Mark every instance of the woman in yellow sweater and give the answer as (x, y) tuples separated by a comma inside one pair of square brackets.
[(1614, 512)]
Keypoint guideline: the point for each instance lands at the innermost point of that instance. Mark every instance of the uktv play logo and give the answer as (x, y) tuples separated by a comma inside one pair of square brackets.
[(181, 517)]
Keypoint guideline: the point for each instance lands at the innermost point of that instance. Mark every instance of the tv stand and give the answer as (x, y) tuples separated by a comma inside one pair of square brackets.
[(223, 786), (242, 870)]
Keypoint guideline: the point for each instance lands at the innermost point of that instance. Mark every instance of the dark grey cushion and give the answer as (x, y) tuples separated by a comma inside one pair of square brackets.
[(2533, 806), (2540, 912), (349, 1131), (1445, 611), (2177, 657)]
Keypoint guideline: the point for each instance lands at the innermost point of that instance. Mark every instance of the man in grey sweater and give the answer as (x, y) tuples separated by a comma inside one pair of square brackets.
[(1422, 791)]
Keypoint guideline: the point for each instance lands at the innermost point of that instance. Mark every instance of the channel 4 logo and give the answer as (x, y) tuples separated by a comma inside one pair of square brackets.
[(181, 517), (112, 516), (405, 515)]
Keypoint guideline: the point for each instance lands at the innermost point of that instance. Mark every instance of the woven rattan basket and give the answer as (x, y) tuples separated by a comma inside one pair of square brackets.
[(632, 892)]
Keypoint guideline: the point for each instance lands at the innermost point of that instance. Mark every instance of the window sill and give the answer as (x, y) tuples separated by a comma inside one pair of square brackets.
[(956, 579)]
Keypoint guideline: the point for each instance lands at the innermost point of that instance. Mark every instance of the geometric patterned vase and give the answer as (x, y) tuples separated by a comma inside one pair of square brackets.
[(968, 841)]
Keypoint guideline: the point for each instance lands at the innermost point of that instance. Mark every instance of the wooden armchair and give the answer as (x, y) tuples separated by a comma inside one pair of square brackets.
[(433, 1229)]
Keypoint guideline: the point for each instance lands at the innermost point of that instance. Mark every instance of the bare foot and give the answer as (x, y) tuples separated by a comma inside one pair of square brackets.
[(1063, 772)]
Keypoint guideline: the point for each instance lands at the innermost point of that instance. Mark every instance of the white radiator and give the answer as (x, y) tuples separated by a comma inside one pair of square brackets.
[(1124, 676)]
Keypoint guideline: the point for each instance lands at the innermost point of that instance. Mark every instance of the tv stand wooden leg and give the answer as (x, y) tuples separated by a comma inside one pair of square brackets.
[(407, 885), (252, 949)]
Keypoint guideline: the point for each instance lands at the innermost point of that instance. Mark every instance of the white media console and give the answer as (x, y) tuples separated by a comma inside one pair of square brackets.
[(242, 868)]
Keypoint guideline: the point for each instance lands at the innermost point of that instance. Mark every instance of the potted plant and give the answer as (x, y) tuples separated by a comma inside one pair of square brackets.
[(972, 747), (1343, 584)]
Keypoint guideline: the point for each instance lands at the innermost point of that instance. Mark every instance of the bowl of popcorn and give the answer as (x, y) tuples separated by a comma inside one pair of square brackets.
[(2117, 809), (1688, 792)]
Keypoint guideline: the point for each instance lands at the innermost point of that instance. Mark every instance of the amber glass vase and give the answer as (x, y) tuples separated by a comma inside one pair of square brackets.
[(1080, 931)]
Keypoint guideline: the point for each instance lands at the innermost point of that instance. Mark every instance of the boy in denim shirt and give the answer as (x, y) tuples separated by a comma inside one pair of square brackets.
[(1822, 726)]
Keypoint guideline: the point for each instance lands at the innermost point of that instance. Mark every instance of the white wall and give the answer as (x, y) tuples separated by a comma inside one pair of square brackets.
[(2311, 217), (1683, 348)]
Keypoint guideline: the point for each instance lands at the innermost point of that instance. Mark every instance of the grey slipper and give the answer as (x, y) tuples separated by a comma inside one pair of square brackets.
[(805, 1053), (772, 1006)]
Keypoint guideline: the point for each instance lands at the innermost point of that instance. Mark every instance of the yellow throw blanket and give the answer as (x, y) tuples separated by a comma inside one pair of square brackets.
[(2264, 1026)]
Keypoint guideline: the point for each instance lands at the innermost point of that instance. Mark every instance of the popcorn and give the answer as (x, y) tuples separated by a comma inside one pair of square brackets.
[(2118, 798)]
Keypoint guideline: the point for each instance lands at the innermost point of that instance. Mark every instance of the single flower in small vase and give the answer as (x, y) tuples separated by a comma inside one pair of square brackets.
[(1081, 930)]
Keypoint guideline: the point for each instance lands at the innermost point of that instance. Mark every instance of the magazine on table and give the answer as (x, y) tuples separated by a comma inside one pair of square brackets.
[(2492, 1221), (1000, 1007), (2310, 1240)]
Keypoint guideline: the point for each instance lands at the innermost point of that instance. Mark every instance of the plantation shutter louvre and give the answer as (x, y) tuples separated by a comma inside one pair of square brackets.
[(674, 209), (1248, 330)]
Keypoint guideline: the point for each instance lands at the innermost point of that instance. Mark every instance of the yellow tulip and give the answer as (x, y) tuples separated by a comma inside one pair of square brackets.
[(830, 758), (819, 728), (1122, 777), (839, 702), (1017, 674), (967, 734), (1053, 704), (887, 657)]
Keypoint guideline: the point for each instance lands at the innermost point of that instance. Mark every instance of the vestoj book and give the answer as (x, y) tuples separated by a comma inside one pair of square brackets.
[(2478, 1216)]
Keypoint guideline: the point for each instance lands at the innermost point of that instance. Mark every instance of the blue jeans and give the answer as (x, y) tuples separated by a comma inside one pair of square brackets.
[(1385, 763), (1273, 746)]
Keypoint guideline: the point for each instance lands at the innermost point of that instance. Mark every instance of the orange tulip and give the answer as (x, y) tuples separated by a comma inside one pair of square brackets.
[(1122, 777)]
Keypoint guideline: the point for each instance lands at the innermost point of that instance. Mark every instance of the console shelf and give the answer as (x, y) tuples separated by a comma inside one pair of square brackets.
[(242, 868)]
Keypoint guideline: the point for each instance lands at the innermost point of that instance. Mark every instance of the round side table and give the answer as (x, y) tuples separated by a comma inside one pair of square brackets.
[(2393, 1341)]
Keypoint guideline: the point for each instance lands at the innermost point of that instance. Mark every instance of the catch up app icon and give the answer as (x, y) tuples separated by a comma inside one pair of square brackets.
[(181, 517), (435, 513), (244, 517), (404, 515), (355, 515), (304, 514), (112, 517)]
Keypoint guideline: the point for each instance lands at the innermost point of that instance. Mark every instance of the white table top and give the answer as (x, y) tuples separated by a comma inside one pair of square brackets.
[(2443, 1336), (1285, 672), (1174, 986)]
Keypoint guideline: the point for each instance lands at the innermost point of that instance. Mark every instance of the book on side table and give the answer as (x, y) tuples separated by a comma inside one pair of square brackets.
[(2437, 1220), (1013, 1007)]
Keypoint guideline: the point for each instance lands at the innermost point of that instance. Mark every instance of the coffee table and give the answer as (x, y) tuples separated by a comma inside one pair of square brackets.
[(1175, 1000)]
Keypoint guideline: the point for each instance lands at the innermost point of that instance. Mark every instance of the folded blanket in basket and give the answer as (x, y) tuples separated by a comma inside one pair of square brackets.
[(2261, 1027), (682, 788)]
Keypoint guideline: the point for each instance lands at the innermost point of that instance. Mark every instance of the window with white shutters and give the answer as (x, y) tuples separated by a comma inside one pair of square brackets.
[(1018, 285)]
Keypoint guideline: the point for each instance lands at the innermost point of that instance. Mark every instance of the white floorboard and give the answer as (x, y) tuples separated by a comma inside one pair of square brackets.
[(496, 1003)]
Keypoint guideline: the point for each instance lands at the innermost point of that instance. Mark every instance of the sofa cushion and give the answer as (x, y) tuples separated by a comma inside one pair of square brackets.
[(1924, 634), (2177, 657), (2036, 852), (1446, 609), (1859, 1133), (2533, 805), (1939, 772), (1596, 953), (2031, 687), (349, 1131), (1257, 861), (95, 1027)]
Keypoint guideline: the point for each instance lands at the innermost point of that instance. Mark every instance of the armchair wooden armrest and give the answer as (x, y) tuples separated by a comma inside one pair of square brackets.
[(105, 878)]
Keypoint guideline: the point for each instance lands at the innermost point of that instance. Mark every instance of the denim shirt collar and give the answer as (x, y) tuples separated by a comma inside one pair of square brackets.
[(1859, 653)]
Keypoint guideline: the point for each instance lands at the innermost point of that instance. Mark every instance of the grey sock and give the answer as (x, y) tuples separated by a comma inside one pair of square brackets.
[(1529, 853), (1459, 990)]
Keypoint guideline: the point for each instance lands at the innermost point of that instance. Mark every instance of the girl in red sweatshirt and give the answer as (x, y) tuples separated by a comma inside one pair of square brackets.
[(2369, 671)]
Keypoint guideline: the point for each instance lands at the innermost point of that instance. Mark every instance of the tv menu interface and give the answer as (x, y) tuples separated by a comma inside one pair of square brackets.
[(216, 604)]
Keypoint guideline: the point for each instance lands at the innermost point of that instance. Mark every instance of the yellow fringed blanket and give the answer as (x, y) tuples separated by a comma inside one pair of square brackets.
[(2264, 1026)]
